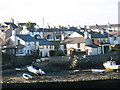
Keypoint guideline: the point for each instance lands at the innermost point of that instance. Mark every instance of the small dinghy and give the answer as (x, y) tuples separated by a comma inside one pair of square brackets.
[(74, 71), (18, 69), (27, 76), (97, 71)]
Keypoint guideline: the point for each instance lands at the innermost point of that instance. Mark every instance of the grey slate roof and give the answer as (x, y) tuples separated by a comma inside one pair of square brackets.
[(28, 38), (12, 24), (73, 40), (98, 35), (22, 24)]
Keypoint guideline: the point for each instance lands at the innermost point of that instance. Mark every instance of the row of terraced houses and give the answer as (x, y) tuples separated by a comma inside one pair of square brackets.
[(23, 39)]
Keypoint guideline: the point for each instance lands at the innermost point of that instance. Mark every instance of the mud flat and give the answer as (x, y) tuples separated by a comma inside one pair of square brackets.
[(51, 81), (80, 84)]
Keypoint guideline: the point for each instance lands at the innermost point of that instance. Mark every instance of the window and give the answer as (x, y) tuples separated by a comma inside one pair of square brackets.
[(50, 47), (28, 51), (115, 38), (32, 33), (19, 51), (41, 46), (28, 43), (78, 50), (64, 46), (37, 36), (65, 51), (78, 45), (47, 46), (49, 36), (31, 51), (18, 42), (35, 43), (58, 37)]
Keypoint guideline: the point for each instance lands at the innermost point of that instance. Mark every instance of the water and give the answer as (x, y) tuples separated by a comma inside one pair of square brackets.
[(85, 84)]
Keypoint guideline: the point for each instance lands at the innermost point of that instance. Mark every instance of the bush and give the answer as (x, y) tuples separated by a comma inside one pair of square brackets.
[(56, 53)]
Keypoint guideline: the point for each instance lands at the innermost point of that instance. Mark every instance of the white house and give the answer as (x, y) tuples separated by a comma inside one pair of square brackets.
[(114, 38), (34, 44), (32, 32), (25, 44), (92, 49), (77, 43), (45, 48)]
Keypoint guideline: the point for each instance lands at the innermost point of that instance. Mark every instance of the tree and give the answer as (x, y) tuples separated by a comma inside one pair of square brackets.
[(29, 25)]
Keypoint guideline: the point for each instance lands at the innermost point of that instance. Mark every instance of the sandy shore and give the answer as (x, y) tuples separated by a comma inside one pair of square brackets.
[(83, 75)]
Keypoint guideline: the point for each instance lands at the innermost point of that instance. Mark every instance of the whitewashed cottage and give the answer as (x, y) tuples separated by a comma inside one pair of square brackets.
[(79, 43)]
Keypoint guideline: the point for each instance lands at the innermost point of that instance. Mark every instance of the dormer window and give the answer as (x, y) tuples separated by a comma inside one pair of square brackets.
[(37, 36)]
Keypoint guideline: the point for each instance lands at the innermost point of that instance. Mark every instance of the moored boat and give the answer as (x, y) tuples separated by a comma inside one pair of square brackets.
[(74, 71), (35, 70), (97, 71), (111, 65)]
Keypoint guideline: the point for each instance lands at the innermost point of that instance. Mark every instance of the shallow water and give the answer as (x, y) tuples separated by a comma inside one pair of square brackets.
[(85, 84)]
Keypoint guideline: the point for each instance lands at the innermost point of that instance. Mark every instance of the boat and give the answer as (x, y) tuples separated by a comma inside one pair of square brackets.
[(35, 69), (74, 71), (111, 65), (26, 76), (18, 69), (97, 71)]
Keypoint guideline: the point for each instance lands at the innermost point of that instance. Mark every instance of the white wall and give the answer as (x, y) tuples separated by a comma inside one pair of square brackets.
[(111, 39), (31, 46), (75, 46), (93, 51), (46, 50), (75, 34), (114, 42)]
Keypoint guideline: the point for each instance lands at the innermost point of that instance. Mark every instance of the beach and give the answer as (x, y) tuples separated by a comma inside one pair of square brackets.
[(62, 77), (80, 80)]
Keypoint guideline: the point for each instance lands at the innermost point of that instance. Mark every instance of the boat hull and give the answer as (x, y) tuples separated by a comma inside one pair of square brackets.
[(111, 67), (97, 71), (27, 76), (35, 71)]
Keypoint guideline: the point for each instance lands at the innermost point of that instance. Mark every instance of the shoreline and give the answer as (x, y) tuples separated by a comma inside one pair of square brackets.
[(86, 84), (87, 76)]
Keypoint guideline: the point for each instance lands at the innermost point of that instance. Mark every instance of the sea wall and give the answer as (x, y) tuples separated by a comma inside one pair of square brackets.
[(18, 61), (92, 61)]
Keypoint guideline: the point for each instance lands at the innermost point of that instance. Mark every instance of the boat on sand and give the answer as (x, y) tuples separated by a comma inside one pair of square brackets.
[(111, 65), (36, 70), (97, 71), (26, 76)]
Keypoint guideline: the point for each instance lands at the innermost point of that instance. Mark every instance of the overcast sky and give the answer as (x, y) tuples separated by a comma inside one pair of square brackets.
[(60, 12)]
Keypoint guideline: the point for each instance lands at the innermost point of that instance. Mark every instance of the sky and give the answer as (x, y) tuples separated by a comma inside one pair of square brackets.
[(60, 12)]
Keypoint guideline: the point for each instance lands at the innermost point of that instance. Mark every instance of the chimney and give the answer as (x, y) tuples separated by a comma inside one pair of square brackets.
[(12, 20), (14, 37), (89, 36), (102, 32), (62, 36), (86, 32)]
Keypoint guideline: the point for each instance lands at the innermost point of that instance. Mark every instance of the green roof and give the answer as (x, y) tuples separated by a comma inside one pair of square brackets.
[(55, 42)]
